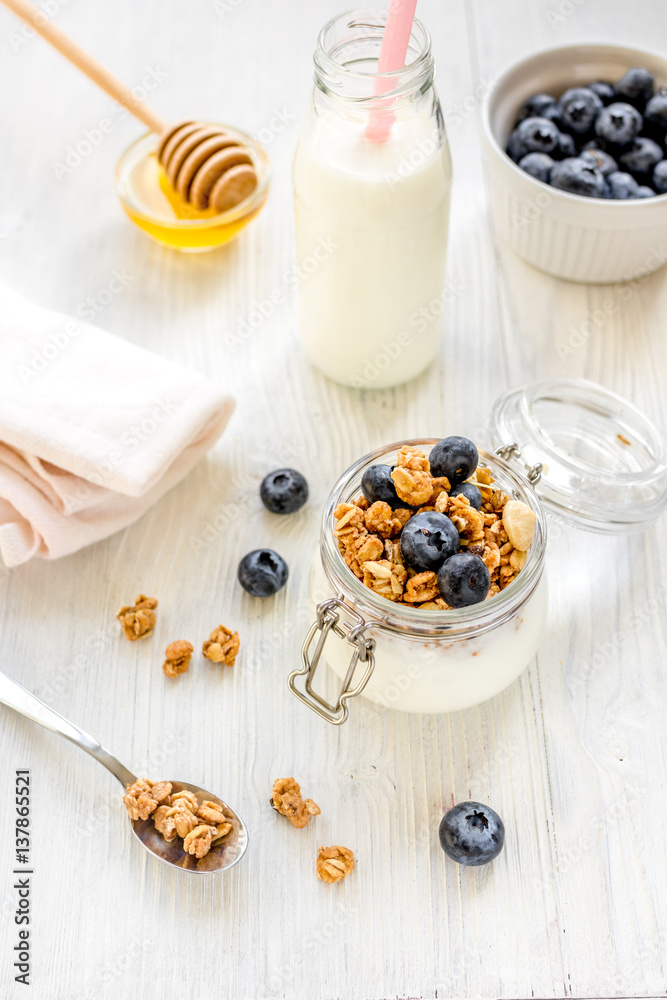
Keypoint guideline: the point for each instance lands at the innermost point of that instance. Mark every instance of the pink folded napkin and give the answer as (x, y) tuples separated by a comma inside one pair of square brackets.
[(93, 430)]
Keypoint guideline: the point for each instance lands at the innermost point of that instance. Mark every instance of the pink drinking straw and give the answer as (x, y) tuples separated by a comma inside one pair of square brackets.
[(393, 51)]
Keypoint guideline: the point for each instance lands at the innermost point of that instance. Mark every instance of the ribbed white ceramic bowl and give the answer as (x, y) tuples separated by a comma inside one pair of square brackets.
[(582, 239)]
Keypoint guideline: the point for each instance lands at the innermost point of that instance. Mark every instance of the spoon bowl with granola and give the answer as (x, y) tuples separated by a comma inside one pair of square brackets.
[(182, 824)]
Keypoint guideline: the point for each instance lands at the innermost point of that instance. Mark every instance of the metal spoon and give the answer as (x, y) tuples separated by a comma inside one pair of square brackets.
[(225, 855)]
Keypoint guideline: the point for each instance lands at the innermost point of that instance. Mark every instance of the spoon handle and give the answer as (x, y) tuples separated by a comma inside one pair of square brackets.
[(22, 701)]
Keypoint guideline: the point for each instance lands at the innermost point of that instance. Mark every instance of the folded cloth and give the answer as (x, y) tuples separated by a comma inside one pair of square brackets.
[(93, 430)]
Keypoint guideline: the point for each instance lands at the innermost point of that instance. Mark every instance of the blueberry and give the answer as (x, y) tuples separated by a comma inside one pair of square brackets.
[(427, 540), (535, 106), (635, 87), (566, 146), (618, 124), (660, 177), (472, 833), (262, 572), (538, 165), (622, 185), (641, 157), (470, 491), (284, 491), (578, 177), (605, 163), (655, 116), (454, 457), (579, 107), (533, 135), (605, 91), (377, 484), (644, 191), (463, 580)]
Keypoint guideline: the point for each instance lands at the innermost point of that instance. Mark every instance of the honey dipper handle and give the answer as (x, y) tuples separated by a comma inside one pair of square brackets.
[(85, 62)]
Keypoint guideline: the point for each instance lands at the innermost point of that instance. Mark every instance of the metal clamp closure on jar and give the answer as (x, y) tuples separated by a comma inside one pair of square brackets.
[(330, 619)]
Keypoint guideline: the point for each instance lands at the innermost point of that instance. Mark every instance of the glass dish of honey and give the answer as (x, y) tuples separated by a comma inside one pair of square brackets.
[(154, 206)]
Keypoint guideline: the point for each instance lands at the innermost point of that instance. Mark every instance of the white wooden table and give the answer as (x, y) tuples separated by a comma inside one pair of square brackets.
[(571, 755)]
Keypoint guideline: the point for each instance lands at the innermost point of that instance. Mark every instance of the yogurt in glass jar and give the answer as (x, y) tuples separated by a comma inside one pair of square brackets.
[(373, 214), (567, 447)]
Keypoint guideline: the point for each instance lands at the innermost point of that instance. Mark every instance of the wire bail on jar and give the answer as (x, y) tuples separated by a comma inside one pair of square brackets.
[(509, 451), (330, 619)]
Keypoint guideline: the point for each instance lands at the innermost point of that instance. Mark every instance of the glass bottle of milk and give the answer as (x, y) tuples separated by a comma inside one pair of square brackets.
[(372, 215)]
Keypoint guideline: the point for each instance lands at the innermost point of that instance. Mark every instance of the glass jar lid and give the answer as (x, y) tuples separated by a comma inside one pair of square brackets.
[(595, 460)]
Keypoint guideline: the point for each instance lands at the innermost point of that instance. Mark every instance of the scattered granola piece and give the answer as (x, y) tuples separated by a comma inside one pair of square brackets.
[(222, 646), (286, 799), (138, 619), (519, 522), (178, 655), (198, 841), (334, 863), (144, 796)]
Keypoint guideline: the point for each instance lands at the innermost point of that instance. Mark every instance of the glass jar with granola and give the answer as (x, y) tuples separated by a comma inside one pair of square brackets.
[(427, 590)]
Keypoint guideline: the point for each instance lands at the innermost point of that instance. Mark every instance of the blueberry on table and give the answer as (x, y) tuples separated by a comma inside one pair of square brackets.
[(454, 457), (463, 579), (284, 491), (427, 540), (604, 90), (533, 135), (470, 491), (578, 177), (579, 107), (622, 185), (641, 157), (472, 833), (538, 165), (618, 124), (605, 163), (377, 484), (262, 572), (660, 177), (536, 106), (635, 87)]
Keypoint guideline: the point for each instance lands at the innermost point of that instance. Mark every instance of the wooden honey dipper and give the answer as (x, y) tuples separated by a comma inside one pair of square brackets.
[(208, 167)]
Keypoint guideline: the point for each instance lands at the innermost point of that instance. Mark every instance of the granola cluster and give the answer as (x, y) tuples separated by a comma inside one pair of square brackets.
[(333, 863), (201, 825), (286, 799), (138, 619), (368, 534), (222, 646)]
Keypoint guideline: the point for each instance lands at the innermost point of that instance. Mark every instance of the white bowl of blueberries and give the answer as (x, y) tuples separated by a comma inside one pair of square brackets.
[(575, 147)]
